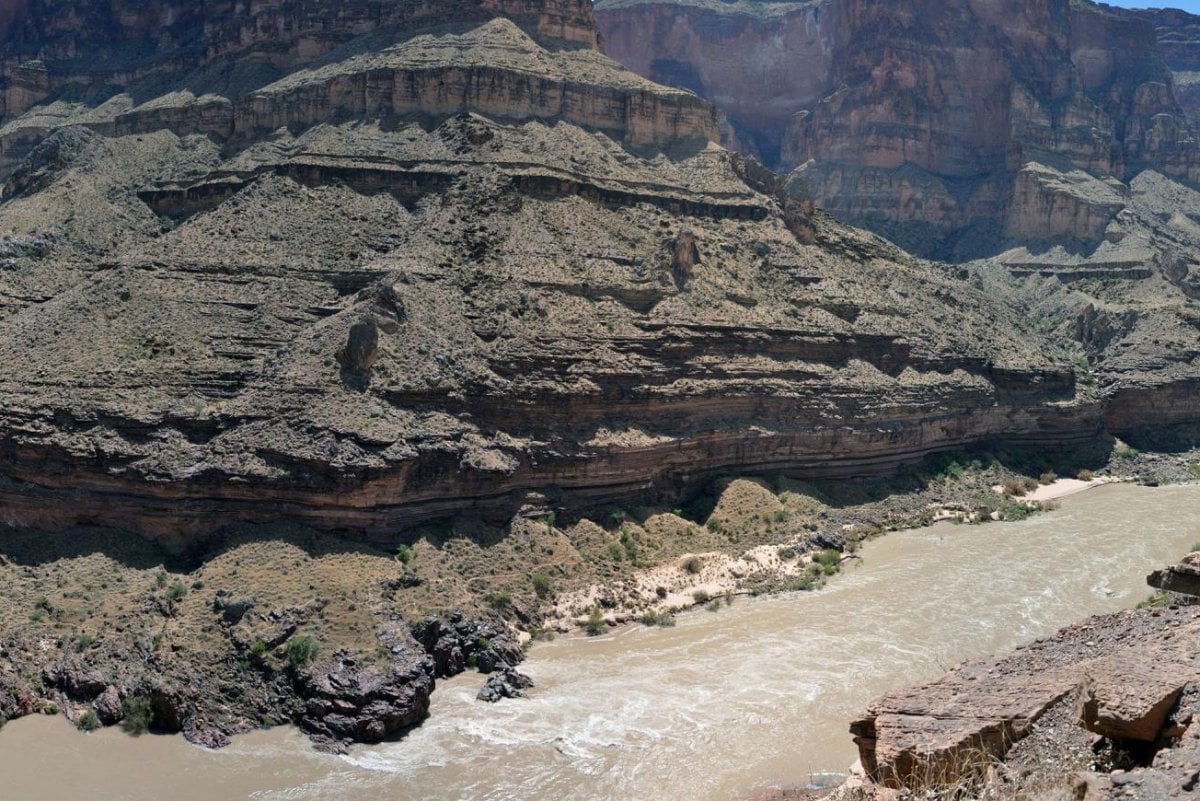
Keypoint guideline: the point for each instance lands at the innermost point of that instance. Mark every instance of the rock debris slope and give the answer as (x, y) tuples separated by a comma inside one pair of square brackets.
[(367, 264)]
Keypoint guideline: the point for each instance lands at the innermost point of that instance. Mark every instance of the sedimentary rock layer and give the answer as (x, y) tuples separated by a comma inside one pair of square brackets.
[(934, 123), (373, 268)]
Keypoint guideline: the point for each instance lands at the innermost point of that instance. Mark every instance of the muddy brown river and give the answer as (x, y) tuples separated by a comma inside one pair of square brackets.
[(756, 695)]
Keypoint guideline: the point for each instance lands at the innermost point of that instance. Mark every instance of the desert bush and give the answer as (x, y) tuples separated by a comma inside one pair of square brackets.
[(301, 650), (701, 596), (498, 600), (595, 623), (542, 585), (137, 714), (88, 721), (693, 565)]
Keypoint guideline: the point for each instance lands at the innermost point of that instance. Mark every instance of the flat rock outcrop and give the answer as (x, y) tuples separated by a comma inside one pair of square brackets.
[(1128, 678)]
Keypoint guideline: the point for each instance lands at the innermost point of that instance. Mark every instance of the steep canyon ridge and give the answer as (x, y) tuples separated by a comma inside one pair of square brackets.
[(357, 267)]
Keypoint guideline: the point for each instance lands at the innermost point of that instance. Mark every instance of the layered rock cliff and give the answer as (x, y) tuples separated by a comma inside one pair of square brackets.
[(953, 128), (366, 265)]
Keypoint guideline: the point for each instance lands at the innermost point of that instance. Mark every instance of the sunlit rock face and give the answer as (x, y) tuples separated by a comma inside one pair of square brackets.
[(930, 121)]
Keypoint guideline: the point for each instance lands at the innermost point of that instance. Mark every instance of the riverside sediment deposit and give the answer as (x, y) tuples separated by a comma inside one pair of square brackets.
[(758, 694)]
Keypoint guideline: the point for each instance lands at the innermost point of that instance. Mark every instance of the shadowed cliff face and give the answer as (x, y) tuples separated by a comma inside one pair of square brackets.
[(371, 268), (921, 119)]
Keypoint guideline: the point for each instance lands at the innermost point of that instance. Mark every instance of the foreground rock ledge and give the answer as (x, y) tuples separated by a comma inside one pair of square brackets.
[(1130, 678)]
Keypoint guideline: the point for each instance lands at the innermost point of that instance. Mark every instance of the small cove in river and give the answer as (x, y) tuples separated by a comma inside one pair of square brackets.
[(758, 694)]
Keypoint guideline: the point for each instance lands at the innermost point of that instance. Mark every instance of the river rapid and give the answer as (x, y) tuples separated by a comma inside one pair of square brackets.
[(757, 695)]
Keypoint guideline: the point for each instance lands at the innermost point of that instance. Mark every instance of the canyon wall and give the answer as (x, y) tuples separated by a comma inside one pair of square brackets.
[(368, 265), (922, 120)]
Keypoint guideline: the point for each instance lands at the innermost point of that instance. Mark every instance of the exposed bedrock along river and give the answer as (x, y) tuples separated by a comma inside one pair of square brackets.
[(756, 695)]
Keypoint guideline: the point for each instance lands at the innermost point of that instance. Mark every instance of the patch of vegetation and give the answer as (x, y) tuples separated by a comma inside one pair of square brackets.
[(1013, 510), (542, 585), (176, 591), (88, 721), (300, 650), (595, 623), (137, 714), (404, 554), (693, 565), (501, 599), (84, 642), (701, 596), (1158, 599), (828, 560)]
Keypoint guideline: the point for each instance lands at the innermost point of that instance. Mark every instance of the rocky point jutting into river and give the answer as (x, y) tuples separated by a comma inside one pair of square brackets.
[(1103, 708)]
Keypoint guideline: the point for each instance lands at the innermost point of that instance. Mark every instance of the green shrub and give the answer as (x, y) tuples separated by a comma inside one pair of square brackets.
[(1048, 477), (542, 585), (300, 650), (693, 565), (701, 596), (88, 721), (595, 623), (404, 554), (1012, 510), (259, 647), (714, 606), (666, 621), (615, 551), (830, 558), (499, 600), (628, 544), (1156, 600), (176, 591), (84, 642), (650, 618), (1085, 475), (138, 714), (160, 579)]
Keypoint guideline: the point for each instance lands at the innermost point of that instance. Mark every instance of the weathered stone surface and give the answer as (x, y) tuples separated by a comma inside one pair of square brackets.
[(507, 683), (1128, 697), (1126, 673), (1182, 578), (931, 122), (505, 204)]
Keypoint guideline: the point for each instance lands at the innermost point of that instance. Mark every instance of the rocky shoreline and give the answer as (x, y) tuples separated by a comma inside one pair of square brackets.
[(1102, 709), (330, 635)]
